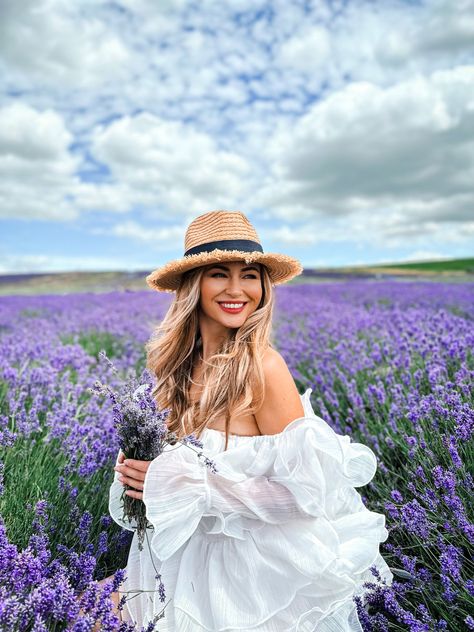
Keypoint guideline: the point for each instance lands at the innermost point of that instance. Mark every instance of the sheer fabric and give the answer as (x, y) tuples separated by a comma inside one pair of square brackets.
[(277, 540)]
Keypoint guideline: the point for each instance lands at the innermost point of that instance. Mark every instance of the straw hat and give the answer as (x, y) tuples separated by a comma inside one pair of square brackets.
[(222, 236)]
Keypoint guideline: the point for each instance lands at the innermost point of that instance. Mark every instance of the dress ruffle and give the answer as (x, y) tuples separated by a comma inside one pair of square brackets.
[(277, 540)]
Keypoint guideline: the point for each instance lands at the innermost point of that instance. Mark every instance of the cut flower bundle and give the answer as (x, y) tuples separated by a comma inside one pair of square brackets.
[(142, 433)]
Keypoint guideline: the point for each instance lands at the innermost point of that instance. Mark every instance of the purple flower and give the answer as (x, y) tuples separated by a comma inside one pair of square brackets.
[(450, 560), (415, 519), (397, 497)]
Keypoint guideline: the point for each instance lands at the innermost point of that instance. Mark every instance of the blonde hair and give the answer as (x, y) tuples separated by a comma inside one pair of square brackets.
[(232, 378)]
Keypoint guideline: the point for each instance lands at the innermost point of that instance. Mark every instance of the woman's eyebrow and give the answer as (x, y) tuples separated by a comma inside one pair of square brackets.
[(227, 269)]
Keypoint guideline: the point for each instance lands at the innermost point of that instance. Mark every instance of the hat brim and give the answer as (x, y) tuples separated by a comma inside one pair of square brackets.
[(281, 268)]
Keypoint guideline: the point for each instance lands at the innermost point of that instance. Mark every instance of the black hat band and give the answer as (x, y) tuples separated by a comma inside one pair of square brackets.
[(245, 245)]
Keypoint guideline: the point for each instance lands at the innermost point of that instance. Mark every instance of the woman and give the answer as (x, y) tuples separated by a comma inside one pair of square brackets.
[(278, 538)]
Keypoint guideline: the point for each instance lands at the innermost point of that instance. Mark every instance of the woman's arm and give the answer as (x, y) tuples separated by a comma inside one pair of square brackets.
[(297, 492)]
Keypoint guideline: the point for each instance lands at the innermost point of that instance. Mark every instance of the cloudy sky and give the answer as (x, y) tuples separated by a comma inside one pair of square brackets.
[(343, 129)]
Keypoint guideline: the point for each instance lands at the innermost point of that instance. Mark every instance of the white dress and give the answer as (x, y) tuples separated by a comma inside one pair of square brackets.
[(278, 540)]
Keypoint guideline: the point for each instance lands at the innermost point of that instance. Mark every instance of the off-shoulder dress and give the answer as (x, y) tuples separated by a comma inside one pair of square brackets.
[(277, 540)]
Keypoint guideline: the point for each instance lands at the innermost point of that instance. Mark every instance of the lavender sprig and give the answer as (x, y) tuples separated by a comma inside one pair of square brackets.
[(142, 433)]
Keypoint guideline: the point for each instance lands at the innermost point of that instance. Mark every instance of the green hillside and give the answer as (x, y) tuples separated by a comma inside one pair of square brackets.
[(462, 265)]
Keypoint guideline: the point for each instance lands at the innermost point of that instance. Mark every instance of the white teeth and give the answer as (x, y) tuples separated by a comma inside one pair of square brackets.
[(235, 305)]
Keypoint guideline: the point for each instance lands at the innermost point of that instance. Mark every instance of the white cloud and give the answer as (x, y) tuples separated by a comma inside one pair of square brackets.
[(449, 28), (341, 121), (169, 166), (379, 44), (27, 134), (310, 51), (163, 166), (284, 234), (53, 41), (162, 238), (90, 196), (36, 165), (406, 149), (23, 263)]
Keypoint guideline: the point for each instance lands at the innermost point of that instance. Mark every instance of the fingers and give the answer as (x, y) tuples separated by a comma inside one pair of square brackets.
[(131, 472), (127, 480), (138, 465), (134, 494), (127, 474)]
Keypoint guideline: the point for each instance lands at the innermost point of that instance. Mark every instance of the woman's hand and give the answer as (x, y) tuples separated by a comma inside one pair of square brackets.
[(132, 473)]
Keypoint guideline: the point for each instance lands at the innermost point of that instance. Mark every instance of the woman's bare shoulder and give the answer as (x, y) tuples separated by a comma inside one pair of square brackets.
[(282, 402)]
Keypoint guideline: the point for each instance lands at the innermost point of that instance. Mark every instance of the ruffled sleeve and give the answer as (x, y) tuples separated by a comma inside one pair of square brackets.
[(311, 460), (290, 472), (179, 490), (116, 502), (271, 479), (176, 496)]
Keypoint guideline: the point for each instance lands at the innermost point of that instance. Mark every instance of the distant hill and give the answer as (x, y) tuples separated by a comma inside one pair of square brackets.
[(70, 282), (451, 265)]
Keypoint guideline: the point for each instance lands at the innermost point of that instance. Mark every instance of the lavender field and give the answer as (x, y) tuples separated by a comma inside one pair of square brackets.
[(391, 364)]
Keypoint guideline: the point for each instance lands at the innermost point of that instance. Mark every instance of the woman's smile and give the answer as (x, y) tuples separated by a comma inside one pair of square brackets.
[(232, 307)]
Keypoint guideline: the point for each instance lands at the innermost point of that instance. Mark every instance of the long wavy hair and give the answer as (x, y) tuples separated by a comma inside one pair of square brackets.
[(232, 378)]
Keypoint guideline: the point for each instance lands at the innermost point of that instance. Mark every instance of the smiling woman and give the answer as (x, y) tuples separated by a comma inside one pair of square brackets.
[(237, 289), (277, 538), (207, 357)]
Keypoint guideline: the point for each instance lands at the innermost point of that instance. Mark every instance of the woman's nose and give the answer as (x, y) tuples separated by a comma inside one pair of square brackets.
[(234, 286)]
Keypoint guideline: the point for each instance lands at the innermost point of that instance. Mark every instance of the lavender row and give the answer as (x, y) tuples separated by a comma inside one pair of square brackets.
[(391, 364)]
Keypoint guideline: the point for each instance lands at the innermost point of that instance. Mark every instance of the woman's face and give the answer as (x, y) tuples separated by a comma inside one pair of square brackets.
[(230, 283)]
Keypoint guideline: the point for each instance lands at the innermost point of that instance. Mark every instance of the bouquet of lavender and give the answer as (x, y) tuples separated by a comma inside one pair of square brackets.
[(142, 434)]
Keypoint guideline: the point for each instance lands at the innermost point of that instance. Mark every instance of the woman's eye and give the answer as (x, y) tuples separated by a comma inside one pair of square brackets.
[(253, 276)]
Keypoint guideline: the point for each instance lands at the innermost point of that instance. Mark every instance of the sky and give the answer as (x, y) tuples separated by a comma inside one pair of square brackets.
[(343, 129)]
